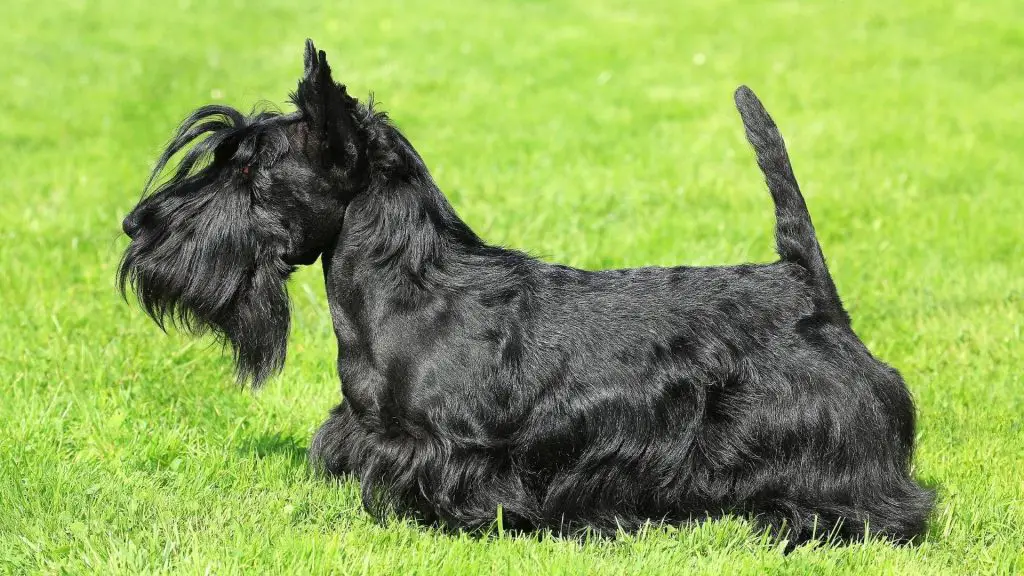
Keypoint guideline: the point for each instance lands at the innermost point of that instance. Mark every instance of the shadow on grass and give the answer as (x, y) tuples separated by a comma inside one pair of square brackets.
[(276, 444)]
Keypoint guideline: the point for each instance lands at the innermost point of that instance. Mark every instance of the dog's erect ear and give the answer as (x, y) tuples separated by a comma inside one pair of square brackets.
[(310, 59), (328, 109)]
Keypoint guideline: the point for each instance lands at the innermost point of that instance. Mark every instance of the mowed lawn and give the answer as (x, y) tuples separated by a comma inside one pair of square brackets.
[(594, 133)]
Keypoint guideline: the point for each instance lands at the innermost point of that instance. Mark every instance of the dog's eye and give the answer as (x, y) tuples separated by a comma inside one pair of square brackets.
[(244, 170)]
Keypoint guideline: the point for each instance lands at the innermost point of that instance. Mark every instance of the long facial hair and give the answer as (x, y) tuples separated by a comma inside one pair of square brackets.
[(207, 254)]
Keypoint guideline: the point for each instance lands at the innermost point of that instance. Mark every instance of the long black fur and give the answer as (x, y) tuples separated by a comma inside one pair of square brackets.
[(477, 378)]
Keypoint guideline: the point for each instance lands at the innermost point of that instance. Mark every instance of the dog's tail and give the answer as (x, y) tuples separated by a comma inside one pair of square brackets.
[(794, 234)]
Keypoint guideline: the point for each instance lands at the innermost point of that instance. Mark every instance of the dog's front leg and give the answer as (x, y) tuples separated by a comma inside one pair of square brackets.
[(335, 444)]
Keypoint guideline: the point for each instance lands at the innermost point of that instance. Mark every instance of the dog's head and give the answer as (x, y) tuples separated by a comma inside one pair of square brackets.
[(251, 198)]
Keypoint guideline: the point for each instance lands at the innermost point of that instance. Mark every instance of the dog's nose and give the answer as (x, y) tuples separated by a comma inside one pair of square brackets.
[(130, 225)]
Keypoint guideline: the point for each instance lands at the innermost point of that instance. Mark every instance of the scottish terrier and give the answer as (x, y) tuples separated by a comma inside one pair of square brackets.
[(481, 383)]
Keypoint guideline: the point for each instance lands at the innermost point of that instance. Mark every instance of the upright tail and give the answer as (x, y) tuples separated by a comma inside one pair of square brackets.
[(794, 234)]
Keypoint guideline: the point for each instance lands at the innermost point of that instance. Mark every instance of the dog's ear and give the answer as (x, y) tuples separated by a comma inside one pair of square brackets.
[(329, 111)]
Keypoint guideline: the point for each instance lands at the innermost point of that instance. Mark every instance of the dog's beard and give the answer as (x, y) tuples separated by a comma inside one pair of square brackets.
[(204, 286)]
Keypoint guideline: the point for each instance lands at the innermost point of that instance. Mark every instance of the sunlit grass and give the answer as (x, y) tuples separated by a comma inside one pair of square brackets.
[(591, 133)]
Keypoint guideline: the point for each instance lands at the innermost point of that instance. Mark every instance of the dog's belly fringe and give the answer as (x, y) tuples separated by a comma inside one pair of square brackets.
[(823, 472)]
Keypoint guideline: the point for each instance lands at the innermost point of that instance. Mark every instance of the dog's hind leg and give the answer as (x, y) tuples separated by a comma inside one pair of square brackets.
[(897, 511)]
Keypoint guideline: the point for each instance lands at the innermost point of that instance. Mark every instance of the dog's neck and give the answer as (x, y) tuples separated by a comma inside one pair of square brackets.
[(402, 223), (398, 239)]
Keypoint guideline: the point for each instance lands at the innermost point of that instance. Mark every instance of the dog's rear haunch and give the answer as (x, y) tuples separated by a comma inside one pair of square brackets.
[(476, 378)]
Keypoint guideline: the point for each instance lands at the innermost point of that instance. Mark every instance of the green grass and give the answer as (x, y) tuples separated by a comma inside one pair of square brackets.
[(594, 133)]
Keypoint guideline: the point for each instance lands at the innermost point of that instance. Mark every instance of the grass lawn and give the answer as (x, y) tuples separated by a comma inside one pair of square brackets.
[(595, 133)]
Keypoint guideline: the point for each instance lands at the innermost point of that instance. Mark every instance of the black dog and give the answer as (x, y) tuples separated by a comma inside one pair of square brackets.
[(478, 379)]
